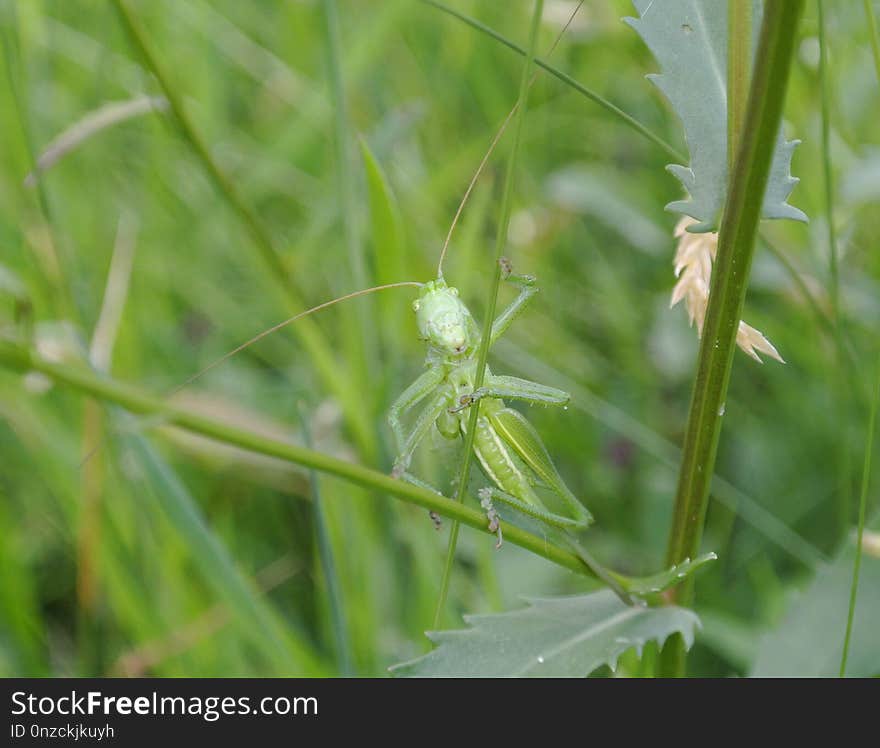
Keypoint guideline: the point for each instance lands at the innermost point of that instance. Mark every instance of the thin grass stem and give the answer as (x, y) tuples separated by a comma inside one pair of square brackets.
[(483, 355), (17, 357), (627, 119), (863, 503)]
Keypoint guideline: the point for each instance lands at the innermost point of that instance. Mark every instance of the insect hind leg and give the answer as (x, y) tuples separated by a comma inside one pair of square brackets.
[(491, 493), (485, 495)]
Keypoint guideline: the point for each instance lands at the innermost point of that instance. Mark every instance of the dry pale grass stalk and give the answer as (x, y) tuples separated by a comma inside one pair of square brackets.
[(693, 268)]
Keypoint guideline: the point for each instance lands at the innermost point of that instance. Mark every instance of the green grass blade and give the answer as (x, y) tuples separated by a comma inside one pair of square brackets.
[(217, 567), (872, 418), (328, 564), (873, 35), (863, 504)]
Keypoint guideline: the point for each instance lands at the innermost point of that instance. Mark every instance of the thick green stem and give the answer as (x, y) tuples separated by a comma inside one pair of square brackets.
[(729, 284), (19, 358), (483, 356), (739, 47)]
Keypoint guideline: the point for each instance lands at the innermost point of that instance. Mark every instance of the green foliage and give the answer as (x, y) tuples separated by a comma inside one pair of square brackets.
[(553, 637), (808, 639), (277, 644), (688, 38), (426, 91)]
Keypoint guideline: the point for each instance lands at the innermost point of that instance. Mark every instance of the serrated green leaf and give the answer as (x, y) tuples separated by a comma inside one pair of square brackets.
[(554, 637), (808, 642), (665, 579), (688, 38)]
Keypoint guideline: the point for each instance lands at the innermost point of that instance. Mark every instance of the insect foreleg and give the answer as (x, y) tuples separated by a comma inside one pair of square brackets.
[(514, 388), (527, 289), (423, 423), (410, 397)]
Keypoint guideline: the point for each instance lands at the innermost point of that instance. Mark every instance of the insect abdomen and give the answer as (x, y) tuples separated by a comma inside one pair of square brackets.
[(500, 464)]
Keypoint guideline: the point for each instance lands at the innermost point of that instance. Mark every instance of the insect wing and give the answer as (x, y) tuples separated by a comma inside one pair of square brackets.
[(523, 437)]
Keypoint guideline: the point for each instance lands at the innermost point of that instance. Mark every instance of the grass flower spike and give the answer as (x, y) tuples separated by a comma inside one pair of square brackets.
[(693, 268)]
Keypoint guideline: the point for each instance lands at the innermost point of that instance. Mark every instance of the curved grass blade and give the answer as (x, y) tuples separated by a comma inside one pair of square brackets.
[(91, 124)]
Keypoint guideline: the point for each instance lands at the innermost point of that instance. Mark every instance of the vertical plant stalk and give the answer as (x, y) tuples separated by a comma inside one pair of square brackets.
[(739, 47), (730, 275), (500, 243), (863, 503), (308, 331)]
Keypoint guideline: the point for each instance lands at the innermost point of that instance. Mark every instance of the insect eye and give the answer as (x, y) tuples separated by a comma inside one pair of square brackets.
[(453, 291), (416, 305)]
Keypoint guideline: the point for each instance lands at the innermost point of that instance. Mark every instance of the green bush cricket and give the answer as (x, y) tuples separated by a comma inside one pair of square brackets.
[(507, 447)]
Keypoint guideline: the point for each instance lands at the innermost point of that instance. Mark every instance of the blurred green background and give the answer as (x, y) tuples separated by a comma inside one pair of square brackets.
[(110, 527)]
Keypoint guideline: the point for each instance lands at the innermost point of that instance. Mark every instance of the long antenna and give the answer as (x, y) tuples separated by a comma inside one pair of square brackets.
[(88, 456), (494, 143), (275, 328)]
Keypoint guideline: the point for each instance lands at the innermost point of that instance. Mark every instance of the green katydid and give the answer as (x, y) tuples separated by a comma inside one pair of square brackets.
[(508, 448)]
